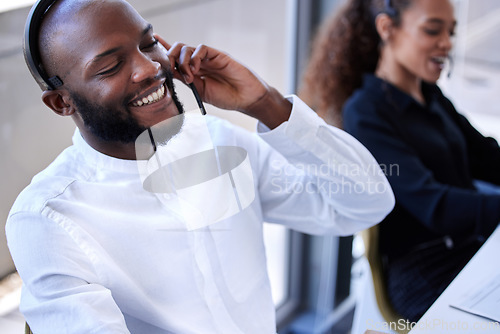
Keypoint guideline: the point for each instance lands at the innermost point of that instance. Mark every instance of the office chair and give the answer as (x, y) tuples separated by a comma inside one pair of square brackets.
[(27, 329), (371, 240)]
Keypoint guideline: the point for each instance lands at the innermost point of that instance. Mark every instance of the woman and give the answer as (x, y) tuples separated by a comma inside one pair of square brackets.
[(376, 63)]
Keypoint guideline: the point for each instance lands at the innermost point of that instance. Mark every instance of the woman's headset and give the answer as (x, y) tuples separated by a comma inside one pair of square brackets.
[(31, 47)]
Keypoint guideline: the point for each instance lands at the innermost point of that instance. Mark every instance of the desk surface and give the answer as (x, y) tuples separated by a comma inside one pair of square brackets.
[(441, 318)]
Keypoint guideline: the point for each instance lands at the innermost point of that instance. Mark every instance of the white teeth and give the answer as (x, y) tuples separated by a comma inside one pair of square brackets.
[(439, 59), (152, 98)]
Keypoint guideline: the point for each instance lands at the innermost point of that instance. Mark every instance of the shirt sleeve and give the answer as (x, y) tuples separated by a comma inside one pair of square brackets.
[(59, 283), (319, 179), (440, 207)]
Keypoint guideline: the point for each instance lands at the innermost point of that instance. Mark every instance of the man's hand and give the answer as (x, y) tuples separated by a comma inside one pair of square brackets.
[(227, 84)]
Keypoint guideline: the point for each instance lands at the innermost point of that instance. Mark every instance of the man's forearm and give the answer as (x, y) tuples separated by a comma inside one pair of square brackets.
[(271, 109)]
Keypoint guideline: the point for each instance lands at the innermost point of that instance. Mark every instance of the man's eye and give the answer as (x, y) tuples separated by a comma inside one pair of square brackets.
[(152, 45), (111, 70)]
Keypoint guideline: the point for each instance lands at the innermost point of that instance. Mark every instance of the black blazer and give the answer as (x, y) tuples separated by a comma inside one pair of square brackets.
[(431, 156)]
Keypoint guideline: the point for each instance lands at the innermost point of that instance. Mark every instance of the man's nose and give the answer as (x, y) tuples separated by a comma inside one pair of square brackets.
[(144, 68)]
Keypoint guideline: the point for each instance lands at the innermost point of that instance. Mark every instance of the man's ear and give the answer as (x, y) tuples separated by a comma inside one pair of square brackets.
[(384, 26), (58, 102)]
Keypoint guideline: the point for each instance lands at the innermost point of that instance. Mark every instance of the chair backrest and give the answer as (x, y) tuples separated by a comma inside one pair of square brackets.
[(371, 240)]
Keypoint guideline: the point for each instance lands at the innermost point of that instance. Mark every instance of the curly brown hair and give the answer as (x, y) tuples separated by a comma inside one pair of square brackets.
[(345, 47)]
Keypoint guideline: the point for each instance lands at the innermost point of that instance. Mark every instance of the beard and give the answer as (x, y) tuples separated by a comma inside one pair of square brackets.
[(112, 124)]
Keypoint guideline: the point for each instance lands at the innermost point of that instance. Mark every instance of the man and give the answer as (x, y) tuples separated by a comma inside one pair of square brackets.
[(104, 247)]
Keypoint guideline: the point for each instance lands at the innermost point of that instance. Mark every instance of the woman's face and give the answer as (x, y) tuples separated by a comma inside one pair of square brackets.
[(421, 43)]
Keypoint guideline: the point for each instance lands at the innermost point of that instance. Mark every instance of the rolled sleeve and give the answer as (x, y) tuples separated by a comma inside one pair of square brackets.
[(332, 169)]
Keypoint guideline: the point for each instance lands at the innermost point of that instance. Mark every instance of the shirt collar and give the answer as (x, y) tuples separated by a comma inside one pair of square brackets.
[(100, 160), (380, 87)]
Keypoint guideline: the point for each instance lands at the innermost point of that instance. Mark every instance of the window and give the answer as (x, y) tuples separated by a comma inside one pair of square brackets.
[(14, 4), (474, 79)]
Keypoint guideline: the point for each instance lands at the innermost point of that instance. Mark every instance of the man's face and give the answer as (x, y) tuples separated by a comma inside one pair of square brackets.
[(111, 124), (116, 72)]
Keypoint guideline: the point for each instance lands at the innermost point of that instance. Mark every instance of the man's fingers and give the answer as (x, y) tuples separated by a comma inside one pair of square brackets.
[(200, 53), (216, 59), (172, 51), (185, 62), (180, 57), (162, 41)]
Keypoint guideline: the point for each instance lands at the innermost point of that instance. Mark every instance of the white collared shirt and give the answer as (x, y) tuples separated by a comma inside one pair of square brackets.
[(99, 254)]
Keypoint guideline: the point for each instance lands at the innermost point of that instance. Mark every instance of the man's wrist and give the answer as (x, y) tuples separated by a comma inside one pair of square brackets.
[(271, 109)]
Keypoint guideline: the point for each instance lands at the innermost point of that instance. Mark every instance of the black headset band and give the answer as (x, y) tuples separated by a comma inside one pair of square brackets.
[(389, 9), (31, 46)]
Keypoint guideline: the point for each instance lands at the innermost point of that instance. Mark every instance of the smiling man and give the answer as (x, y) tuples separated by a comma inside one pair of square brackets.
[(101, 251), (116, 90)]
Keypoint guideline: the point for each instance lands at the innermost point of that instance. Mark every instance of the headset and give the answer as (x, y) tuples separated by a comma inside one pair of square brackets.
[(32, 51), (31, 48), (389, 9)]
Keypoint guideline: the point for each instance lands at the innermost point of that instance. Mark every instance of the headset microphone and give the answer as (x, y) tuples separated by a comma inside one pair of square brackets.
[(451, 63)]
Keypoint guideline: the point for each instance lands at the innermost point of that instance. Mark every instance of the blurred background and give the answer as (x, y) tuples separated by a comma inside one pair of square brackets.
[(314, 279)]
